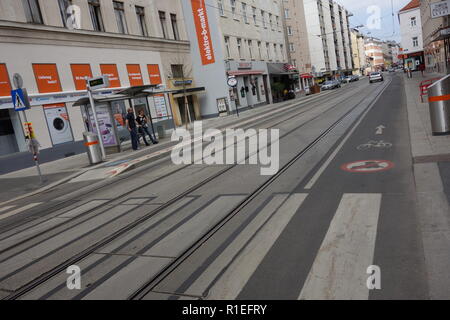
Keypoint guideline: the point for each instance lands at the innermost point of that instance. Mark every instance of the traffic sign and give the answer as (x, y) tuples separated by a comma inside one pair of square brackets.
[(20, 100), (368, 166), (18, 81)]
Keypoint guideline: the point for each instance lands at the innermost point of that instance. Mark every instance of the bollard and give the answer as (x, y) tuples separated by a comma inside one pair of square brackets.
[(439, 103), (92, 144)]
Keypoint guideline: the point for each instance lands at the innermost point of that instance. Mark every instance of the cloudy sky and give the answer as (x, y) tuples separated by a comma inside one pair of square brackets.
[(387, 28)]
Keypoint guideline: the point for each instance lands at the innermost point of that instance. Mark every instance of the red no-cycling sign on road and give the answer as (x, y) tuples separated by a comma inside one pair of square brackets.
[(368, 166)]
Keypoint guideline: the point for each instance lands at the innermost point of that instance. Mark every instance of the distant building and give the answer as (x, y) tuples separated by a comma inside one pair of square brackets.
[(411, 35), (436, 35), (374, 52), (319, 39), (359, 54)]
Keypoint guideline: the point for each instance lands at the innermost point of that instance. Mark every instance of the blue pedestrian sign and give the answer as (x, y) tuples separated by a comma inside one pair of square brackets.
[(20, 100)]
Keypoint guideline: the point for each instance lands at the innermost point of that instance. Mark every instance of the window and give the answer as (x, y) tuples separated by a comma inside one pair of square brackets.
[(32, 11), (63, 6), (282, 51), (244, 12), (233, 8), (413, 22), (140, 13), (415, 42), (270, 20), (268, 51), (227, 46), (176, 33), (289, 30), (275, 51), (96, 15), (278, 21), (291, 47), (220, 6), (259, 50), (294, 62), (254, 16), (162, 19), (250, 49), (177, 70), (263, 18), (120, 17), (286, 13), (239, 47)]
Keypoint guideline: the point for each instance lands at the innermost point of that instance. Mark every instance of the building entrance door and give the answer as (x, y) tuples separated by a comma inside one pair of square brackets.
[(182, 108), (8, 141)]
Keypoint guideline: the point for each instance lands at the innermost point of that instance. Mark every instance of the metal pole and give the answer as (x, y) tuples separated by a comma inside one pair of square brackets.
[(100, 136), (33, 150)]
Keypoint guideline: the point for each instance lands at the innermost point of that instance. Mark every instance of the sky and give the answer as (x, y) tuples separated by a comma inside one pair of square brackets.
[(384, 27)]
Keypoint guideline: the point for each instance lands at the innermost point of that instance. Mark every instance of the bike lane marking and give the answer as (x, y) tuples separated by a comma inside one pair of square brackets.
[(368, 166)]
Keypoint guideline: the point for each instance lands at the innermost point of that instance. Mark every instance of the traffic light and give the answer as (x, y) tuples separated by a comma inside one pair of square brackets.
[(29, 131)]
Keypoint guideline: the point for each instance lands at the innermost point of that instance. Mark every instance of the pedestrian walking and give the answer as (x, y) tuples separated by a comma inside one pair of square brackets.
[(142, 122), (132, 128)]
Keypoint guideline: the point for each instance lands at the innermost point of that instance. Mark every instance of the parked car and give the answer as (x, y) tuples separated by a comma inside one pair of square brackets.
[(355, 78), (375, 76), (331, 84), (348, 79)]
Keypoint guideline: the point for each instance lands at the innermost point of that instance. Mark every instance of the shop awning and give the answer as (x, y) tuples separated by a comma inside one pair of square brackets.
[(306, 76), (245, 72), (280, 69)]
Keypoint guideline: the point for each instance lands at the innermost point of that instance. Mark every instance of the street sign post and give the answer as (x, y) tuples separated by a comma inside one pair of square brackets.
[(21, 103), (92, 84)]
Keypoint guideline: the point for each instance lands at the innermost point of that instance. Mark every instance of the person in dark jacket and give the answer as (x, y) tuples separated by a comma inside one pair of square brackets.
[(132, 128), (142, 122)]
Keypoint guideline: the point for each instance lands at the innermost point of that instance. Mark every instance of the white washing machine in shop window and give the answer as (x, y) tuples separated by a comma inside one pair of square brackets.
[(58, 124)]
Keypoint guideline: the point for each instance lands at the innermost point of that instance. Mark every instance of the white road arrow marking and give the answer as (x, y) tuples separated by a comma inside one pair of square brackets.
[(380, 129)]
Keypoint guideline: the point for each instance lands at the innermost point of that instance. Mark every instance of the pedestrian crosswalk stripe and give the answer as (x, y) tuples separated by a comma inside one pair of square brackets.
[(339, 269), (239, 272), (19, 210)]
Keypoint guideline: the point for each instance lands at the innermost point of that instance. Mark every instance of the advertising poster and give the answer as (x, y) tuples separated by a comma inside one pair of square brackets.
[(5, 85), (203, 32), (47, 78), (110, 70), (154, 74), (58, 123), (160, 107), (80, 72), (135, 75), (105, 123)]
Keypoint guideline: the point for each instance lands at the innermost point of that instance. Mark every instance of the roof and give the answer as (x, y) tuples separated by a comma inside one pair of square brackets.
[(411, 5)]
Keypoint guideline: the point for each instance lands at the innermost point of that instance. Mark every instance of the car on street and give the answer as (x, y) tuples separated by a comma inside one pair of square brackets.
[(375, 76), (330, 85), (348, 79)]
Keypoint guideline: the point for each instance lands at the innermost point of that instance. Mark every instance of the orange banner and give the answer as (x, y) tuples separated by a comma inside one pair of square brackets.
[(79, 73), (110, 70), (154, 74), (5, 84), (135, 75), (203, 31), (47, 78)]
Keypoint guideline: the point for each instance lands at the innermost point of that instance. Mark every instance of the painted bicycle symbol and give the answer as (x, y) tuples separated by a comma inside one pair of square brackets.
[(374, 144)]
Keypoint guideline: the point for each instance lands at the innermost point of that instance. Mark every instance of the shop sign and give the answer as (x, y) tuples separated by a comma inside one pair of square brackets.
[(5, 85), (154, 74), (135, 75), (244, 65), (47, 78), (203, 32), (440, 9), (180, 82)]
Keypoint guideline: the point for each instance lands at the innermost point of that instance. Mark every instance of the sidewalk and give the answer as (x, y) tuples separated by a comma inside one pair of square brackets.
[(431, 158), (25, 182)]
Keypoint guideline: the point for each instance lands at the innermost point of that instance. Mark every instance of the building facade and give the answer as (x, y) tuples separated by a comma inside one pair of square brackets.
[(436, 34), (359, 54), (55, 44), (411, 35), (239, 39), (319, 37), (374, 52)]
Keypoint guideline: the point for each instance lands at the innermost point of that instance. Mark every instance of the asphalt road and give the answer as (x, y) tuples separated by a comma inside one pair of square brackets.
[(343, 202)]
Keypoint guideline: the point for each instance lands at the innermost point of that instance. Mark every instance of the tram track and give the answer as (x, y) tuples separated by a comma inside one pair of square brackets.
[(76, 258)]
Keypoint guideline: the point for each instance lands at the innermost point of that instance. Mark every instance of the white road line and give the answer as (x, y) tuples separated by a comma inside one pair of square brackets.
[(6, 208), (319, 172), (239, 272), (339, 270), (19, 210)]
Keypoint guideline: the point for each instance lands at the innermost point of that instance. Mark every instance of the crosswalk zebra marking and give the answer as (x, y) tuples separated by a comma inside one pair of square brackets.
[(339, 269)]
